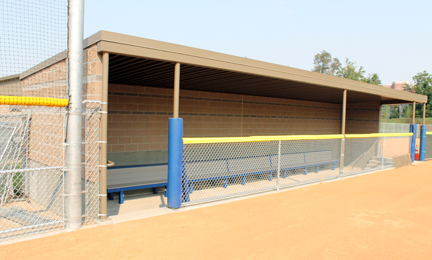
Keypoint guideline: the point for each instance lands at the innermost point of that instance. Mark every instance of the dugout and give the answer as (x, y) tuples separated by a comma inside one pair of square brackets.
[(220, 95)]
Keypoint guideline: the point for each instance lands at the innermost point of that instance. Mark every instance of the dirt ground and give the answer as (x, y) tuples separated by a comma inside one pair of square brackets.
[(384, 215)]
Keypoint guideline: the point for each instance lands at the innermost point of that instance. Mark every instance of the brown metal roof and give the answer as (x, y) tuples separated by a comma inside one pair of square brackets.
[(145, 62), (140, 61)]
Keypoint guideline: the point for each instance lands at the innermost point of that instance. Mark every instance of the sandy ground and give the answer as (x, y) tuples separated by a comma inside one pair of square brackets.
[(384, 215)]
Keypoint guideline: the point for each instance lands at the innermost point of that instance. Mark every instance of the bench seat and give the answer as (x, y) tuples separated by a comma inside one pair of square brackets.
[(121, 179), (226, 169)]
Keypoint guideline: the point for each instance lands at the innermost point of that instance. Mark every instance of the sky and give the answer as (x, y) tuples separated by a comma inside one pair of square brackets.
[(391, 38)]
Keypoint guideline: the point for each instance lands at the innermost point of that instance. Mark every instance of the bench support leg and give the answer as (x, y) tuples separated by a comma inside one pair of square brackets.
[(121, 197), (334, 166), (155, 190), (111, 196), (284, 174), (316, 169), (190, 187), (305, 171), (244, 180), (225, 183), (271, 176)]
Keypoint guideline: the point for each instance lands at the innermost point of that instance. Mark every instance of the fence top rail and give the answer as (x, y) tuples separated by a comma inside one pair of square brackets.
[(205, 140), (377, 135)]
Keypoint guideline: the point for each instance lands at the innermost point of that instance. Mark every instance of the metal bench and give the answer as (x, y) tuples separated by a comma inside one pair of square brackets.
[(226, 169), (305, 160), (121, 179)]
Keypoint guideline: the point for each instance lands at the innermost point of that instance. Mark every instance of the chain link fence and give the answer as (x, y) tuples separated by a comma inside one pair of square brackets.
[(31, 170), (216, 171), (371, 154)]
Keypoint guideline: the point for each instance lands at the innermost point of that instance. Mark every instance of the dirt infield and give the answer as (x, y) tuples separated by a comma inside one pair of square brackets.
[(384, 215)]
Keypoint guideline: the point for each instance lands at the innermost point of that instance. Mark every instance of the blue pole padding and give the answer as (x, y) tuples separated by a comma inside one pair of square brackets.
[(413, 129), (423, 143), (175, 154)]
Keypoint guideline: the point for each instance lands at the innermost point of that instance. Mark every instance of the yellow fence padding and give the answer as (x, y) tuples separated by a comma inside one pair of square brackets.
[(34, 101), (209, 140), (377, 135)]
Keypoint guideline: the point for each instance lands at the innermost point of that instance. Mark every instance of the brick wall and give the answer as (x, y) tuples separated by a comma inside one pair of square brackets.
[(363, 118), (48, 124), (138, 116)]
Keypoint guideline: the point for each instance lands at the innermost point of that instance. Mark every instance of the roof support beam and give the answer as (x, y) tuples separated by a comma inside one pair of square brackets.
[(342, 157), (176, 90)]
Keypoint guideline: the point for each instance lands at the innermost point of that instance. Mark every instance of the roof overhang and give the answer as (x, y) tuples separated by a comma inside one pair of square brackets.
[(140, 61)]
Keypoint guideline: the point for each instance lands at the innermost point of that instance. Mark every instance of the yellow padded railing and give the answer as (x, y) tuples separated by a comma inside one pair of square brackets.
[(34, 101), (377, 135), (429, 133), (208, 140)]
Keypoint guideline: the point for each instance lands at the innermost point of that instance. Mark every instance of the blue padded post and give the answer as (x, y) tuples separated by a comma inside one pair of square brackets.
[(175, 155), (413, 129), (423, 143)]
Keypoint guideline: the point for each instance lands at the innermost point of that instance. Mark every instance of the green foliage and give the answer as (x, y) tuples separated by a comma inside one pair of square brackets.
[(323, 63), (373, 79), (394, 112), (351, 71), (423, 86)]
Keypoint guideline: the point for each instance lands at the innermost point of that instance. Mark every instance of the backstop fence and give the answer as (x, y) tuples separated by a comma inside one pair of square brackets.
[(220, 168)]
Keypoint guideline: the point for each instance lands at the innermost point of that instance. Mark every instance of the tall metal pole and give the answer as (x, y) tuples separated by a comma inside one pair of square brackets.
[(342, 157), (74, 127), (176, 90), (103, 138), (414, 111), (424, 113)]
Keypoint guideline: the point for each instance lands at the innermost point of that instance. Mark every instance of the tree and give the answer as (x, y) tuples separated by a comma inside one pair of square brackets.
[(423, 86), (394, 111), (323, 63), (350, 71), (373, 79)]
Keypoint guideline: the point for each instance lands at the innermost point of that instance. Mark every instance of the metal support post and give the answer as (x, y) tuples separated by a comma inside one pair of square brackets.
[(176, 90), (103, 138), (342, 156), (279, 164), (414, 112), (74, 126)]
